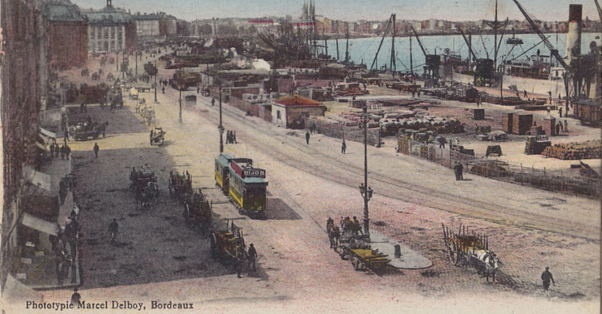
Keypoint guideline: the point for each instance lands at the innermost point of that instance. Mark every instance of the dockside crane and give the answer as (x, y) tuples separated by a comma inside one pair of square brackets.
[(431, 69), (599, 10)]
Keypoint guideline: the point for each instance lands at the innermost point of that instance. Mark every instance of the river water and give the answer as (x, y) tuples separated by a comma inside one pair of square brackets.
[(363, 50)]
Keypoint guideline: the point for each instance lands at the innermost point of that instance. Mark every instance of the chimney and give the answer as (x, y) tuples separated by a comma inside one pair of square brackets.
[(573, 42)]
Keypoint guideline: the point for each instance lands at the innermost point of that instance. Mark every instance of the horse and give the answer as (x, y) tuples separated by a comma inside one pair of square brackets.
[(333, 235), (486, 263)]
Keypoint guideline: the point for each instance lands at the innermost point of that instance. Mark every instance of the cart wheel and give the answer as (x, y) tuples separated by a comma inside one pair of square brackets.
[(452, 256)]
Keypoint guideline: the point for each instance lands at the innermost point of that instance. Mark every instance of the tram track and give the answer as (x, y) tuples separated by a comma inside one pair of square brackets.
[(346, 173)]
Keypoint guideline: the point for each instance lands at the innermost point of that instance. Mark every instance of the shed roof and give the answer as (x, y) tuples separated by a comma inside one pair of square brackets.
[(296, 101)]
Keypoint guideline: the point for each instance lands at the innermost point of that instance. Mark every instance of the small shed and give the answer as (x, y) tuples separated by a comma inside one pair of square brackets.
[(290, 111)]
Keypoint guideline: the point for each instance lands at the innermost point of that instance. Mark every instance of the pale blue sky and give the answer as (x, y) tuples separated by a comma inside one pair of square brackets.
[(351, 10)]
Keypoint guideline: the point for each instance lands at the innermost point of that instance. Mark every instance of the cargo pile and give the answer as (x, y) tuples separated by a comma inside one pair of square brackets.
[(575, 151)]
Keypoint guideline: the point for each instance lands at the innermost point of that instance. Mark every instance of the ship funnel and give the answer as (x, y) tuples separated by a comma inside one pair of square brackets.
[(573, 42)]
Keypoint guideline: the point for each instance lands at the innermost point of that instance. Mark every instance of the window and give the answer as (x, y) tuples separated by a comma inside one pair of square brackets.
[(106, 31), (112, 32), (278, 117)]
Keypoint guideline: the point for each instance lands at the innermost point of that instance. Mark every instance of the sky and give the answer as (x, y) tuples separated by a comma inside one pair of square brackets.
[(353, 10)]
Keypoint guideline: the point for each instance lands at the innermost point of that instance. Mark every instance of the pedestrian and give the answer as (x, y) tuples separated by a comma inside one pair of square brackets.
[(546, 277), (356, 226), (561, 127), (240, 260), (525, 93), (198, 90), (252, 257), (67, 151), (343, 147), (163, 89), (458, 171), (75, 298), (234, 137), (113, 229), (560, 112), (566, 126), (558, 129), (62, 191), (212, 101), (66, 134), (96, 149), (81, 107), (307, 137)]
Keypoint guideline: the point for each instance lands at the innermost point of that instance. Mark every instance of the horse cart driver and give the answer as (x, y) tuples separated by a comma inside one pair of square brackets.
[(157, 136)]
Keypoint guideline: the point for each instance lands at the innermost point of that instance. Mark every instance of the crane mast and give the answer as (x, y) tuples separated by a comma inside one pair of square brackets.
[(545, 40)]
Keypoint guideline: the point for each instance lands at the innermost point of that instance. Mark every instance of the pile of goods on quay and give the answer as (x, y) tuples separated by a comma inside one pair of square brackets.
[(422, 121), (575, 151)]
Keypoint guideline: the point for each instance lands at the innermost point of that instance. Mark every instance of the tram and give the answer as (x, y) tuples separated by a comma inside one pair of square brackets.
[(245, 185)]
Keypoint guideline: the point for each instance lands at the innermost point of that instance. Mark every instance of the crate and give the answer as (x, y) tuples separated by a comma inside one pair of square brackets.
[(507, 123), (521, 123)]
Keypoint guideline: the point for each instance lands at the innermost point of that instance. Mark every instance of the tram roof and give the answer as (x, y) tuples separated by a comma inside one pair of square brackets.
[(223, 159)]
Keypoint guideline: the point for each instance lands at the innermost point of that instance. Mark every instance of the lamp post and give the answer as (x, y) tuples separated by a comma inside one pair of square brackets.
[(220, 127), (365, 190), (180, 100), (156, 91)]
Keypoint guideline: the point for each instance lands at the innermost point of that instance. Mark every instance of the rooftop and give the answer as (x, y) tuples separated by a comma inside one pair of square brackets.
[(296, 101)]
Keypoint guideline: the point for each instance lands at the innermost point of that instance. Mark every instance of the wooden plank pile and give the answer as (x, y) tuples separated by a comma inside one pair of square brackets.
[(575, 151)]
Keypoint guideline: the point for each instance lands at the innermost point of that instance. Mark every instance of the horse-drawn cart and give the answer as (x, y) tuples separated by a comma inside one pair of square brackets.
[(82, 131), (363, 257), (197, 211), (470, 249), (144, 183), (157, 136), (228, 244), (179, 184)]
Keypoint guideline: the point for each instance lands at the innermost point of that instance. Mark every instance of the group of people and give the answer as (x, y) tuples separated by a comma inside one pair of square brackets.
[(65, 185), (231, 137), (64, 150), (249, 257), (458, 169), (64, 246)]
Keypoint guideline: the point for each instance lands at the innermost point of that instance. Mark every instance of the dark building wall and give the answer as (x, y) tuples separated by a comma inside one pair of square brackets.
[(68, 44), (130, 37), (22, 44)]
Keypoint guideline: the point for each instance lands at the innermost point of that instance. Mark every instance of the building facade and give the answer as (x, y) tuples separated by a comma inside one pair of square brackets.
[(290, 112), (147, 25), (110, 30), (68, 35)]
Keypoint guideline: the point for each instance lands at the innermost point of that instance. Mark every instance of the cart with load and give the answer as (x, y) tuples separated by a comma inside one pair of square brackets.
[(470, 249), (144, 183), (179, 184), (157, 136), (362, 256), (83, 130), (197, 211), (228, 244)]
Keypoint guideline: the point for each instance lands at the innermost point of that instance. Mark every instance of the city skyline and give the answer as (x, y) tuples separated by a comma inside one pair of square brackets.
[(351, 10)]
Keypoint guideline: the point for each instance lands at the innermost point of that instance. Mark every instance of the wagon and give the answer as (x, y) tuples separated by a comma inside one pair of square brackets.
[(470, 249), (83, 131), (157, 136), (227, 243), (144, 183), (179, 184), (197, 211), (363, 257)]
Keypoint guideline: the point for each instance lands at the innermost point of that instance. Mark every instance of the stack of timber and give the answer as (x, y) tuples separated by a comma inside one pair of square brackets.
[(575, 151), (537, 144), (521, 123)]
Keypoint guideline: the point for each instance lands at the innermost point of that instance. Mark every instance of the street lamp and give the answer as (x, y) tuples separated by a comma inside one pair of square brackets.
[(220, 127), (365, 190), (156, 91), (180, 100)]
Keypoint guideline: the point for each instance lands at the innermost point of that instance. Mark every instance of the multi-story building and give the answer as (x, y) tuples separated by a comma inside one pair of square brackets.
[(67, 34), (147, 25), (168, 26), (24, 78), (110, 30)]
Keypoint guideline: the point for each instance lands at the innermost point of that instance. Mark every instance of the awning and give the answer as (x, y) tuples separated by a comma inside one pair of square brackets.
[(39, 224), (15, 291), (47, 133), (37, 178)]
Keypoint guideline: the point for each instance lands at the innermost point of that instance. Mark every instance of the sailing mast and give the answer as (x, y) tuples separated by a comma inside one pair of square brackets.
[(347, 45), (411, 61)]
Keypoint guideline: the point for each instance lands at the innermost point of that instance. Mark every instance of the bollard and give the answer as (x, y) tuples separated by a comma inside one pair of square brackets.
[(397, 251)]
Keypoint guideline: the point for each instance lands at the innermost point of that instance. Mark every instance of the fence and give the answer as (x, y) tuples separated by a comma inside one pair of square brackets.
[(349, 133), (504, 171)]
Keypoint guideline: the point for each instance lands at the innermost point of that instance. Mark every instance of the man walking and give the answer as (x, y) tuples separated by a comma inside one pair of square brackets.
[(307, 137), (546, 277), (113, 229), (96, 149), (343, 147), (252, 256)]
